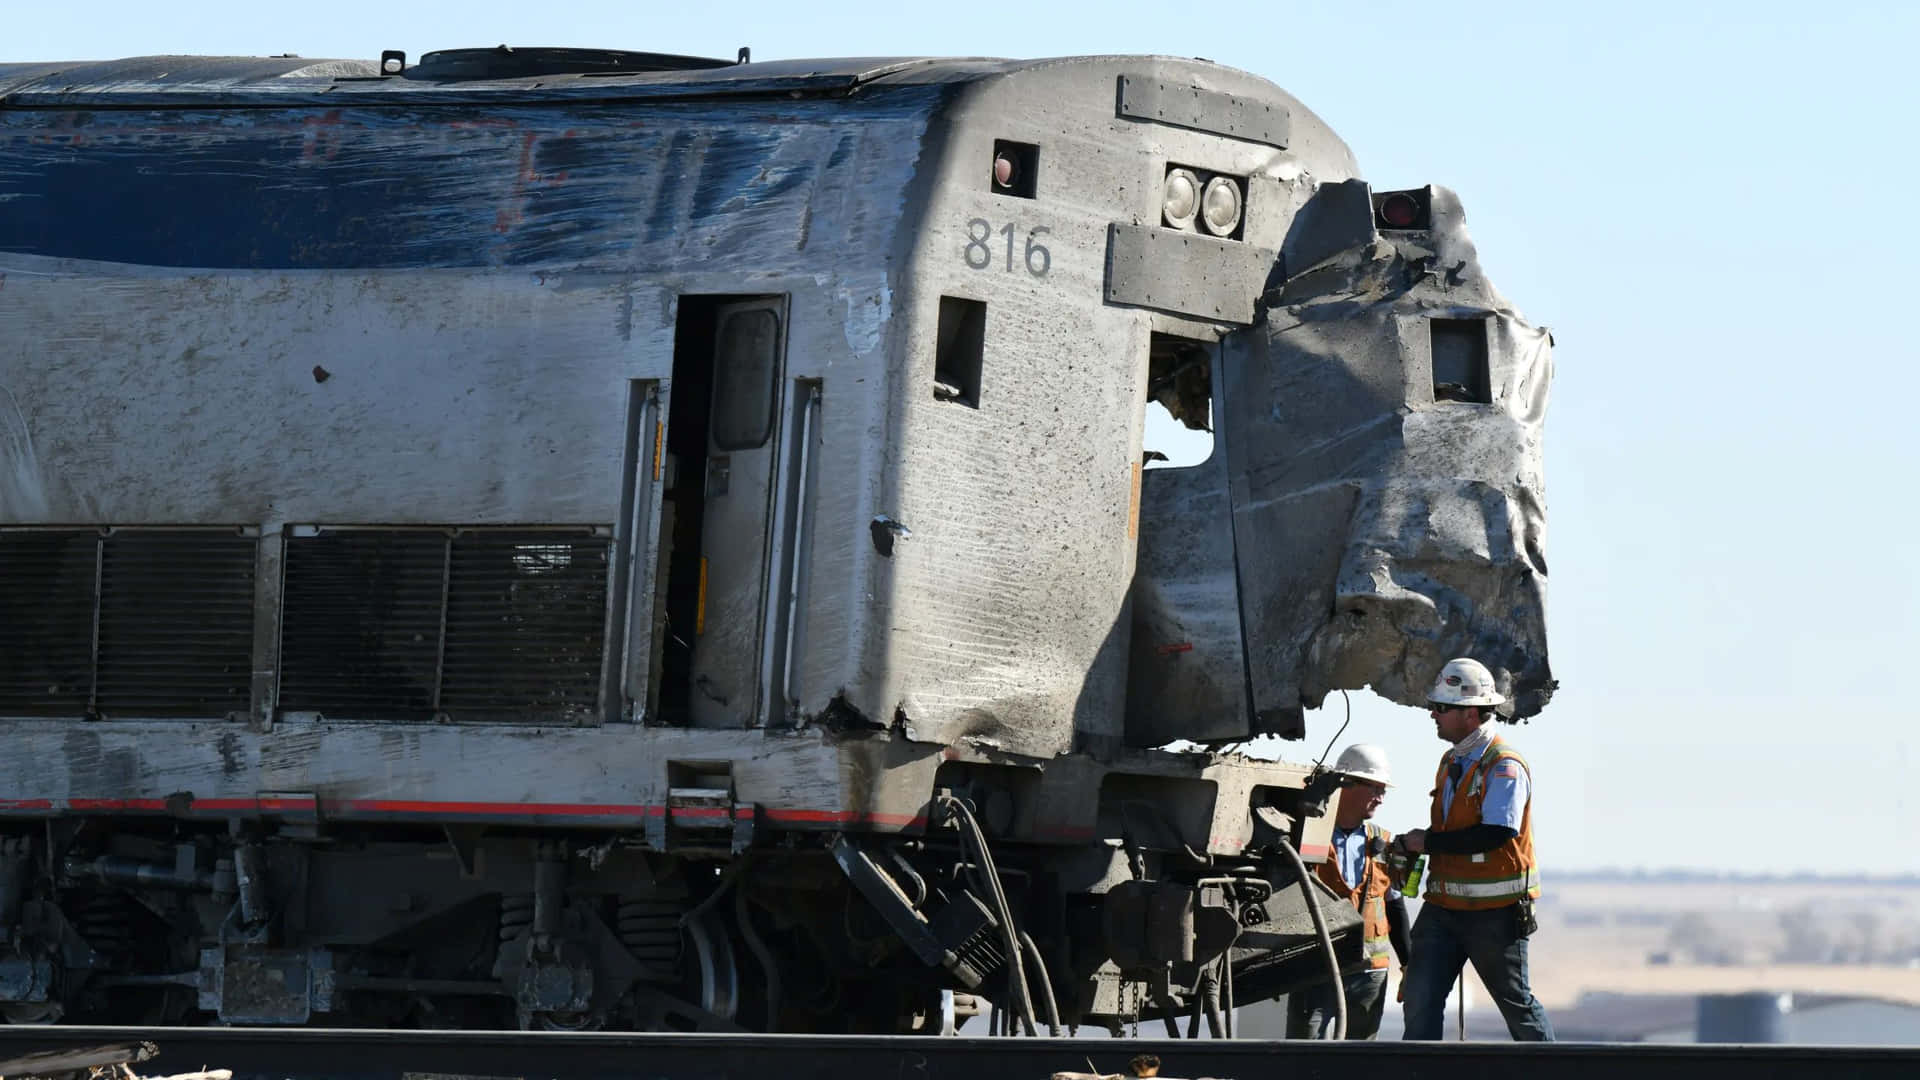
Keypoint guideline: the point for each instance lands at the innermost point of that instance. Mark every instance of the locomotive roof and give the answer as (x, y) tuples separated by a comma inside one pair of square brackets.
[(181, 81)]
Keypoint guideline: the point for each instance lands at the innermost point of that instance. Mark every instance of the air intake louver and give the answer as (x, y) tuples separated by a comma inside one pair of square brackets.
[(126, 623), (176, 624), (46, 622), (360, 625), (474, 625), (526, 621)]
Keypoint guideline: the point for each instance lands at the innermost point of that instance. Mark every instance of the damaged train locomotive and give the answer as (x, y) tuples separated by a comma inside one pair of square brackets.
[(573, 538)]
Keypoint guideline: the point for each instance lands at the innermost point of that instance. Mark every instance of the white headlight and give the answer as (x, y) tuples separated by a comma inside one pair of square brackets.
[(1220, 206), (1180, 198)]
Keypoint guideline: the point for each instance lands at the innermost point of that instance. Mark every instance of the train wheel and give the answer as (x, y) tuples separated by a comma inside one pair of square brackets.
[(711, 977), (580, 1021)]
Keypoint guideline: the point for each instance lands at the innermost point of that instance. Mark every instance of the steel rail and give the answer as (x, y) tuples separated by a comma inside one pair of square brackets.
[(323, 1054)]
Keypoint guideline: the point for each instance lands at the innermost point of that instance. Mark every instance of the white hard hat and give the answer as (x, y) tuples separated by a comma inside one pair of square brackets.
[(1465, 682), (1365, 761)]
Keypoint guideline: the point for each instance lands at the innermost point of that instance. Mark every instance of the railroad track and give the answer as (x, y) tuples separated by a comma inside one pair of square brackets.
[(321, 1054)]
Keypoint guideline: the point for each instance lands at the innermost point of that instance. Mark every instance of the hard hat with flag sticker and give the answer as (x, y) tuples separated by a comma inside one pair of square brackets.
[(1465, 682), (1364, 761)]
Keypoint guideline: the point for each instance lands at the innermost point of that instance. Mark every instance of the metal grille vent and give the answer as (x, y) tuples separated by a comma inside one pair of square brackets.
[(475, 625), (360, 623), (46, 622), (126, 623)]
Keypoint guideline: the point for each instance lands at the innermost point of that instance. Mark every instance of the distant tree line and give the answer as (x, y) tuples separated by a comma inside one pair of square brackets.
[(1808, 934)]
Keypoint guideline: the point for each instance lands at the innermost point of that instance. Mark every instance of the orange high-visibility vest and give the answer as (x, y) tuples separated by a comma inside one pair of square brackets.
[(1491, 879), (1368, 896)]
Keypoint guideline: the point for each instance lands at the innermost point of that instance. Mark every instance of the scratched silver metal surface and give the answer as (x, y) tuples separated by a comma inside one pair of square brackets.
[(434, 311)]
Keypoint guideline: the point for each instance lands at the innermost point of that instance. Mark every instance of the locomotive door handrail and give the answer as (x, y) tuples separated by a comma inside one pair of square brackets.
[(792, 531)]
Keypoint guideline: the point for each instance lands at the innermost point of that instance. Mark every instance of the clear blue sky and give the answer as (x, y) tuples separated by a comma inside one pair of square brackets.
[(1710, 206)]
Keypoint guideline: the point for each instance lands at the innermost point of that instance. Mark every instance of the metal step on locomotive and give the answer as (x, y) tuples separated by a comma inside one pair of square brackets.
[(571, 539)]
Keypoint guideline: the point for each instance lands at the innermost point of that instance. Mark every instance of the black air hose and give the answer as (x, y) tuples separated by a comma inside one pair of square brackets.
[(971, 835), (1326, 939), (1046, 984)]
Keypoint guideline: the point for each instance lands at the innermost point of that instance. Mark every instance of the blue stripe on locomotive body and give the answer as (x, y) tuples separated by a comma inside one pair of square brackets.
[(588, 187)]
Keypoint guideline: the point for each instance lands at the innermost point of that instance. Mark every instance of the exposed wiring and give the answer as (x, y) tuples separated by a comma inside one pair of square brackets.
[(1337, 734), (1326, 939)]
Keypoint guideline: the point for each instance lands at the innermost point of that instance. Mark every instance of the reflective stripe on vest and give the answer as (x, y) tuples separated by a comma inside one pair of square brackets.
[(1512, 888)]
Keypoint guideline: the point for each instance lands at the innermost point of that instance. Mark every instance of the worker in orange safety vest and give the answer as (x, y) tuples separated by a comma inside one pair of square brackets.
[(1481, 878), (1355, 872)]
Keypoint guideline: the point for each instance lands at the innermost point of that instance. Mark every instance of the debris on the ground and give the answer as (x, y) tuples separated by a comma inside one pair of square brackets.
[(1142, 1065), (113, 1062), (77, 1062)]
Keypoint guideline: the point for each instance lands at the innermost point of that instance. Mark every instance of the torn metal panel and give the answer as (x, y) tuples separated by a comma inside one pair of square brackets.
[(1374, 504), (1334, 218), (1186, 668), (1387, 517)]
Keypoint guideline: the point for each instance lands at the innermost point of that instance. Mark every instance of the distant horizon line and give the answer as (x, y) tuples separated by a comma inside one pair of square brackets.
[(1611, 874)]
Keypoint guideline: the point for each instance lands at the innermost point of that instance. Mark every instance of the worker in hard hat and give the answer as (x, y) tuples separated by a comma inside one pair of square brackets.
[(1481, 878), (1355, 871)]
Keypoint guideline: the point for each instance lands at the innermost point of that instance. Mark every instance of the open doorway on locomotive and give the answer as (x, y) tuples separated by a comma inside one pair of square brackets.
[(576, 539), (724, 617)]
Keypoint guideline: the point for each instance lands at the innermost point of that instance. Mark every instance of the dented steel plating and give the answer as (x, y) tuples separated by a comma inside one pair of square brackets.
[(1444, 547), (1362, 519)]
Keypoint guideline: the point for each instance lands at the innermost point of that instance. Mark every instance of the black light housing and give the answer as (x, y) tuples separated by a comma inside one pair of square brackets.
[(1016, 166), (1403, 210)]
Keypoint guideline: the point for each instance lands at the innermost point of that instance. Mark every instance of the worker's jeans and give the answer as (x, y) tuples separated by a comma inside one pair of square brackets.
[(1443, 941), (1310, 1012)]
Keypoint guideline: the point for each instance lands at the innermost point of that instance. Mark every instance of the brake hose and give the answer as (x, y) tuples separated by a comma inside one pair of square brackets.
[(1326, 939)]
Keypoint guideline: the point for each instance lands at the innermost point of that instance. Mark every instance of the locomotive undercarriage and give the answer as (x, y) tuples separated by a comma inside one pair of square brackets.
[(153, 921)]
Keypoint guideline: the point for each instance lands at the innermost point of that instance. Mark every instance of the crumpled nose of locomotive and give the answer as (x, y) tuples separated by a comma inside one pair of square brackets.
[(1437, 567), (1390, 508)]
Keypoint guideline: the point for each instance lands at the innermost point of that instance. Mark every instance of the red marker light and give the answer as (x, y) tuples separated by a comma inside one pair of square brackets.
[(1003, 170), (1399, 211)]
